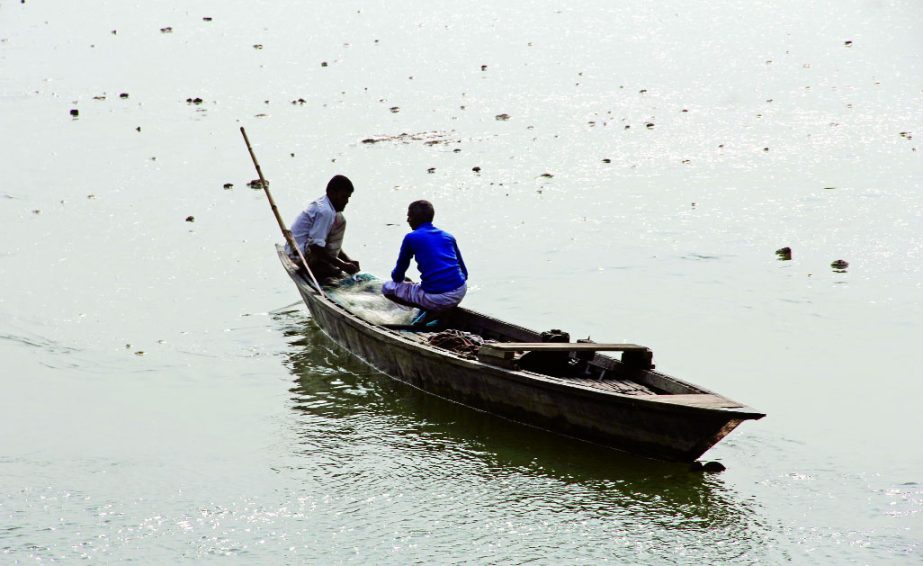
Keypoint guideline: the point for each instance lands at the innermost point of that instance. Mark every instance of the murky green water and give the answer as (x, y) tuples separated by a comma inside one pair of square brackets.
[(164, 400)]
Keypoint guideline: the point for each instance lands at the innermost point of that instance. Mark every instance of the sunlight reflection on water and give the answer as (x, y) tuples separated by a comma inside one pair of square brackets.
[(148, 415)]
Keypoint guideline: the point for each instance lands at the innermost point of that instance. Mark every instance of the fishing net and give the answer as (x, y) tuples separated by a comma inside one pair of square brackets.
[(361, 295), (462, 343)]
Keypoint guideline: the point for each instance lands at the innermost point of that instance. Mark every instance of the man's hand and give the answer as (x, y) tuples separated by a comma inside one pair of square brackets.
[(350, 267)]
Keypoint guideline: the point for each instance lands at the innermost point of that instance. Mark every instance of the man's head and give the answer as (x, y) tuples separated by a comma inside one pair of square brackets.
[(339, 189), (420, 212)]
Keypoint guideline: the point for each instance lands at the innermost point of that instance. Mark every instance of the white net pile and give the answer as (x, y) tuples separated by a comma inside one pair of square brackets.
[(361, 295)]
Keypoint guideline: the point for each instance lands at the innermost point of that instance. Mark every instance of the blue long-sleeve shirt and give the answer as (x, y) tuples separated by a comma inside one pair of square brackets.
[(439, 260)]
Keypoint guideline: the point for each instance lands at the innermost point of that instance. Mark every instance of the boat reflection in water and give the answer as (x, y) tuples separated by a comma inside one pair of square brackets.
[(361, 432)]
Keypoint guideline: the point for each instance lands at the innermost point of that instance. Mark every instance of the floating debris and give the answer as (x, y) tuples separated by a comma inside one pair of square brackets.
[(139, 353), (395, 109), (785, 254), (829, 188), (256, 184), (257, 45), (906, 135), (431, 170), (167, 29), (428, 138), (840, 265), (765, 149), (299, 101), (848, 43), (686, 162), (207, 18), (483, 67), (546, 175), (74, 112), (123, 95), (476, 169), (100, 97), (228, 186), (195, 100), (502, 117), (190, 219), (642, 91), (607, 160), (323, 63), (649, 125), (36, 211)]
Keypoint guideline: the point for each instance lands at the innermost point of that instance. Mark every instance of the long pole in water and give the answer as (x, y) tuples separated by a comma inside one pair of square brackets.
[(289, 239)]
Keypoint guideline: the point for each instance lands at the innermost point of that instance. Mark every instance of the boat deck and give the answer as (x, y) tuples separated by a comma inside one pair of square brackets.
[(623, 386)]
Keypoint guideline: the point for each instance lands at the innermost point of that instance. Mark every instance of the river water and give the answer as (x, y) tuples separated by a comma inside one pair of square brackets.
[(165, 396)]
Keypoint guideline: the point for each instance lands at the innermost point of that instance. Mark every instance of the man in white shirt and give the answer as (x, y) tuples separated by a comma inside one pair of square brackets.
[(319, 231)]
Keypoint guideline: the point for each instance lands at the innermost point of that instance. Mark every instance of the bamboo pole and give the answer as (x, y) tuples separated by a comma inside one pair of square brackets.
[(289, 239)]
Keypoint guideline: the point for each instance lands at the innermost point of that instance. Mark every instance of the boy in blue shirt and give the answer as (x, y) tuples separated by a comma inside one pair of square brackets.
[(442, 270)]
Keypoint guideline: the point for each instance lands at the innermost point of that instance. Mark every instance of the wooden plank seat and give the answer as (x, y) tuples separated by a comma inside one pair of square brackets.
[(504, 353), (511, 347)]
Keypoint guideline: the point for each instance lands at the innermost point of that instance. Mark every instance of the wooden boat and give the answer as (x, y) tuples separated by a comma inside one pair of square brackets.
[(567, 388)]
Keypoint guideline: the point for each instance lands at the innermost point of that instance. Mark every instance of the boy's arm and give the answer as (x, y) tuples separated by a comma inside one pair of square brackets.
[(403, 261), (461, 261)]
